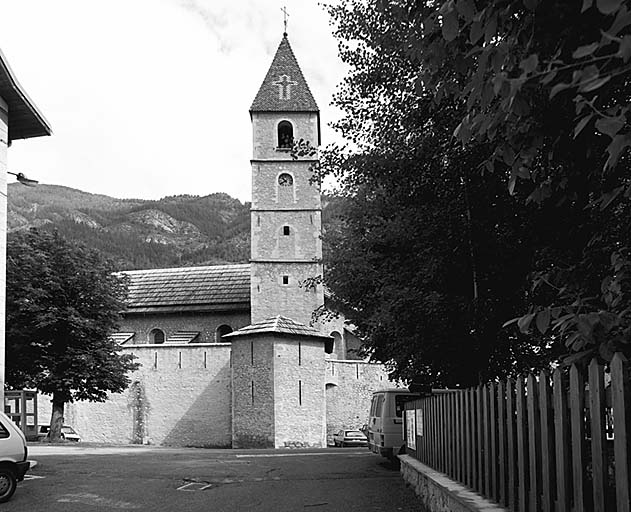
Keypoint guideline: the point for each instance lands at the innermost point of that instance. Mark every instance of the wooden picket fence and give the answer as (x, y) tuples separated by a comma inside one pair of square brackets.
[(539, 443)]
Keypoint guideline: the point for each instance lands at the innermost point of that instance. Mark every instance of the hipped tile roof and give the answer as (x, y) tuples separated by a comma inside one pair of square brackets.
[(278, 325), (275, 95), (210, 288)]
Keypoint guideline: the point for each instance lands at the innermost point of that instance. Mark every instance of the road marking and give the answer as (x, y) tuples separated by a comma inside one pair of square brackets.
[(96, 500), (202, 486), (263, 455), (32, 477), (187, 487)]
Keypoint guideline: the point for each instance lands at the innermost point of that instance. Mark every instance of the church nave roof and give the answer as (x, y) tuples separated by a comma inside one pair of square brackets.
[(209, 288)]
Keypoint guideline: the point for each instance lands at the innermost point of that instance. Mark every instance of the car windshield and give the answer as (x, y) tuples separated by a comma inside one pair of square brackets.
[(354, 433), (67, 430)]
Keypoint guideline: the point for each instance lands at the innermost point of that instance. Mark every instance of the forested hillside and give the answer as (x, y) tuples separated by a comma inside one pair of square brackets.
[(136, 234)]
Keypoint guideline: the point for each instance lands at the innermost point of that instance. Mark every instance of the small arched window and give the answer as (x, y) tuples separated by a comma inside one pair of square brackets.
[(221, 331), (332, 344), (285, 135), (156, 336)]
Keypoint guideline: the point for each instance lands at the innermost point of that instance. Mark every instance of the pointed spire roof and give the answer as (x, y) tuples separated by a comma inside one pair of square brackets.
[(284, 88)]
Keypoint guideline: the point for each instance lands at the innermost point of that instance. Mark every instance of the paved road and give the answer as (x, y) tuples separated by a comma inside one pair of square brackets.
[(84, 479)]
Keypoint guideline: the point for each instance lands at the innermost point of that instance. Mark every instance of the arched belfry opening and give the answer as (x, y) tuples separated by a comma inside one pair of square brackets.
[(285, 135)]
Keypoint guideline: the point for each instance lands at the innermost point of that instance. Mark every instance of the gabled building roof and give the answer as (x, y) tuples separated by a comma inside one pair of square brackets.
[(278, 325), (187, 289), (284, 88), (25, 120)]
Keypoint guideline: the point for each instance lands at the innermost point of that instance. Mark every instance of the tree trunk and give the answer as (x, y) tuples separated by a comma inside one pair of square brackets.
[(474, 272), (56, 419)]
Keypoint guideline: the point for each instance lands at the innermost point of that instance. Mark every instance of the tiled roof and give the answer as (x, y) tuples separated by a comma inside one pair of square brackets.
[(122, 337), (217, 287), (284, 88), (278, 325), (183, 337)]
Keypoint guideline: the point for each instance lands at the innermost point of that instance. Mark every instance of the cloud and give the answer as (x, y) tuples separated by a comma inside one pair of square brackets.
[(232, 28)]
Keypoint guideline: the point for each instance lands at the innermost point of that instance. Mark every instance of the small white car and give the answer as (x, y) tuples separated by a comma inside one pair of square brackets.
[(13, 457), (67, 433), (350, 438)]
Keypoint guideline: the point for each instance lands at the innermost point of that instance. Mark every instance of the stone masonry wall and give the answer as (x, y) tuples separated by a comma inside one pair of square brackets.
[(252, 392), (265, 132), (180, 396), (299, 407), (349, 389), (270, 242), (267, 194), (270, 297), (206, 323)]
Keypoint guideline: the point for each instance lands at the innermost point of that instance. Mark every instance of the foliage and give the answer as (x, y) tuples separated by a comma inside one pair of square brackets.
[(63, 301), (448, 104), (426, 258), (506, 59), (547, 83)]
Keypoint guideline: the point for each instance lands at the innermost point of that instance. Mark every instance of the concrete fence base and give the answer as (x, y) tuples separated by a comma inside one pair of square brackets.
[(438, 493)]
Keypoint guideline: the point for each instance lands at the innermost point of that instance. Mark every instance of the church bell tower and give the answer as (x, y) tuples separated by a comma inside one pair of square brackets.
[(286, 246)]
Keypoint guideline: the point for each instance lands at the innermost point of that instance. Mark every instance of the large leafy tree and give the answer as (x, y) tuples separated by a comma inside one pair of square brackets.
[(438, 244), (63, 302), (547, 84), (425, 256)]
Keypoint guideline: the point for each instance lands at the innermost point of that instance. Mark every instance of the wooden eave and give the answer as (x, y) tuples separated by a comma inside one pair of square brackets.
[(189, 308), (25, 119)]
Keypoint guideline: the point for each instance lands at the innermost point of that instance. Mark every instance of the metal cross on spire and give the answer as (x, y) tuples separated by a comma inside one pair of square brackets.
[(285, 14)]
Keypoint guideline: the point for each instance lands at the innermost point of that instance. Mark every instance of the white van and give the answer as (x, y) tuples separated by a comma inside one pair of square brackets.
[(13, 457), (385, 424)]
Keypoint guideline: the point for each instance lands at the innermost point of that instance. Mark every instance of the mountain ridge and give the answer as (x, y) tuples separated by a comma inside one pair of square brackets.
[(138, 233)]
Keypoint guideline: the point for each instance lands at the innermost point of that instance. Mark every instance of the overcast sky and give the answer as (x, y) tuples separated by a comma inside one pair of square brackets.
[(150, 98)]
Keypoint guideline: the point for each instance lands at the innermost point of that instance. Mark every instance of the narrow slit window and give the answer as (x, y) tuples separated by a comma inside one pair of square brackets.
[(299, 392), (285, 279), (286, 230)]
